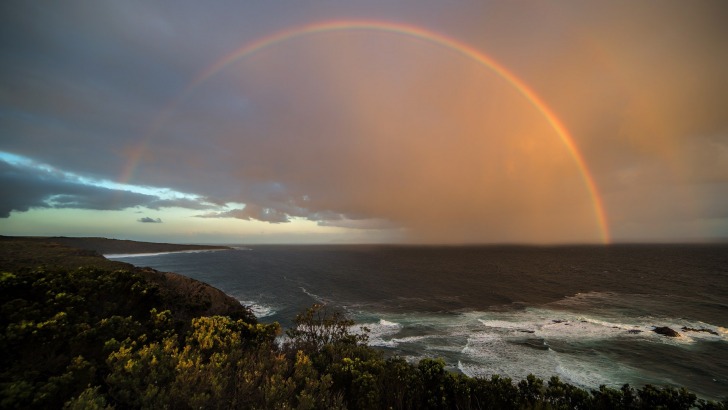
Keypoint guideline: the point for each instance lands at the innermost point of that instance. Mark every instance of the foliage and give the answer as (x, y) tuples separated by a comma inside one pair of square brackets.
[(99, 339), (318, 327), (56, 325)]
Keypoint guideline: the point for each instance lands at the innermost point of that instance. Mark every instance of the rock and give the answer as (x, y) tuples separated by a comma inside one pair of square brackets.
[(690, 329), (188, 297), (634, 331), (666, 331)]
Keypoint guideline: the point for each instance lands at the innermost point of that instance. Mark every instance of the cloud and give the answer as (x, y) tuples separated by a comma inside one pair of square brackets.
[(359, 224), (251, 212), (23, 187), (147, 219), (186, 203), (324, 218), (366, 129)]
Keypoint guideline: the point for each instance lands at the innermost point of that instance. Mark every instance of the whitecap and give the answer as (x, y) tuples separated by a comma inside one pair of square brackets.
[(488, 353), (509, 325), (378, 332), (314, 296), (545, 341), (259, 310)]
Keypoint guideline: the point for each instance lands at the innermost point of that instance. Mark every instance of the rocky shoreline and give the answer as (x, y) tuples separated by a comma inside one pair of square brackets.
[(666, 331)]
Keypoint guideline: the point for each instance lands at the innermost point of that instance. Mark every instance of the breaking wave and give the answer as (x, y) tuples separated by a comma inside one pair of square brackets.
[(259, 310), (588, 348)]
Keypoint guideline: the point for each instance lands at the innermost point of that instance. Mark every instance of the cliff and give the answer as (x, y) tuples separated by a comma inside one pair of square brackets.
[(186, 297)]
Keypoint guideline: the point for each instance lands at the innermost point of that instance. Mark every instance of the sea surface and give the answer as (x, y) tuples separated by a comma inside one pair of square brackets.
[(583, 313)]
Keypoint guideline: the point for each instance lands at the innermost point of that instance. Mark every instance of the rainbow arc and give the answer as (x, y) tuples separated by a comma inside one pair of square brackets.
[(397, 29)]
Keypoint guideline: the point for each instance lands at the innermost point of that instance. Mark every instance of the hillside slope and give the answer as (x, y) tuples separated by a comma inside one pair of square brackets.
[(185, 296)]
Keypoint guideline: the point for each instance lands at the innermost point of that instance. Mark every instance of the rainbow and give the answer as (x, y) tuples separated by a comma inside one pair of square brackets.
[(398, 29)]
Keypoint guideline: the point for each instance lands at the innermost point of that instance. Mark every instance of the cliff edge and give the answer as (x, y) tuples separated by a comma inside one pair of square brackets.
[(185, 297)]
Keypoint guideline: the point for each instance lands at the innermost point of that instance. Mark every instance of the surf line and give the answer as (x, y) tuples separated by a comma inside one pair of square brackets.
[(397, 29)]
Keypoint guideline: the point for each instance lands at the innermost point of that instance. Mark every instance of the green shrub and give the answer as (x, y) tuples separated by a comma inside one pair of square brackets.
[(99, 339)]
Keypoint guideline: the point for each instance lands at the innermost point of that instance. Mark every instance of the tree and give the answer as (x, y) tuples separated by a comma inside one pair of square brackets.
[(320, 326)]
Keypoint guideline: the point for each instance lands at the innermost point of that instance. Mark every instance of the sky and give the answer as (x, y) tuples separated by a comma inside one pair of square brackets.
[(365, 121)]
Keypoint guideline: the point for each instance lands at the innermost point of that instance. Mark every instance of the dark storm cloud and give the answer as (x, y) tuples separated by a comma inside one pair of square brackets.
[(147, 219), (25, 187), (196, 204), (251, 212), (324, 218)]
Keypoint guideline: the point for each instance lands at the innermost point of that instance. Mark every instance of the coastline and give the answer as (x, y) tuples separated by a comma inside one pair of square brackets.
[(191, 297), (106, 246), (132, 255)]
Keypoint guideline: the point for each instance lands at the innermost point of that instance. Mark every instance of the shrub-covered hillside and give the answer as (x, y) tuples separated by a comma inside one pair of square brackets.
[(104, 337)]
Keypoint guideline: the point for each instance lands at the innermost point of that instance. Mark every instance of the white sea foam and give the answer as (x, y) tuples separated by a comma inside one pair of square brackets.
[(379, 332), (489, 353), (385, 322), (591, 373), (563, 325), (543, 341), (420, 336), (259, 310), (504, 324), (411, 339), (516, 354), (316, 297)]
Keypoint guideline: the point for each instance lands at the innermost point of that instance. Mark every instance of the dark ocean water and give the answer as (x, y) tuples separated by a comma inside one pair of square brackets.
[(584, 313)]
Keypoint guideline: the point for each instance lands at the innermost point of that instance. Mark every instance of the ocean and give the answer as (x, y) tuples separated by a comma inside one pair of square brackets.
[(583, 313)]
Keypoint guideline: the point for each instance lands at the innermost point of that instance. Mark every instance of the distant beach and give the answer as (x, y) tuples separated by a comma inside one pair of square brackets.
[(132, 255)]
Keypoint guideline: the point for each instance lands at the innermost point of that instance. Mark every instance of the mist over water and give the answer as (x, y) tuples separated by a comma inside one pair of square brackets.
[(583, 313)]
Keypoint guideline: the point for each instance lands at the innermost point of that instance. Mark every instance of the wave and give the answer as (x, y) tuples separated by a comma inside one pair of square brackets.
[(379, 331), (259, 310), (585, 349), (317, 298), (486, 354), (134, 255), (567, 326), (578, 348)]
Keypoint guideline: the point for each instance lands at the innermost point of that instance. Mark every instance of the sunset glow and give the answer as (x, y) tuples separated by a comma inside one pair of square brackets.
[(376, 126)]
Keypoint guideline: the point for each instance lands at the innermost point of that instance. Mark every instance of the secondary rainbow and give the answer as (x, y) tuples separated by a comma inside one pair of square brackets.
[(398, 29)]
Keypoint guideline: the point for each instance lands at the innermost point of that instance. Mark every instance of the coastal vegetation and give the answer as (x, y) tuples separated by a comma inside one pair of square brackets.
[(101, 334)]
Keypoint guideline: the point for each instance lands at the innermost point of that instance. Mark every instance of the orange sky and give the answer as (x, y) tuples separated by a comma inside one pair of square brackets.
[(368, 135)]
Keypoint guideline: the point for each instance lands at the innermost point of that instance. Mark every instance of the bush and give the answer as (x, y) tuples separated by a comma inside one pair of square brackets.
[(100, 339)]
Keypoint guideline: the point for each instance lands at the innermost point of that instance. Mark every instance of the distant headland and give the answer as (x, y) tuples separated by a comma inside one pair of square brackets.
[(106, 246)]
